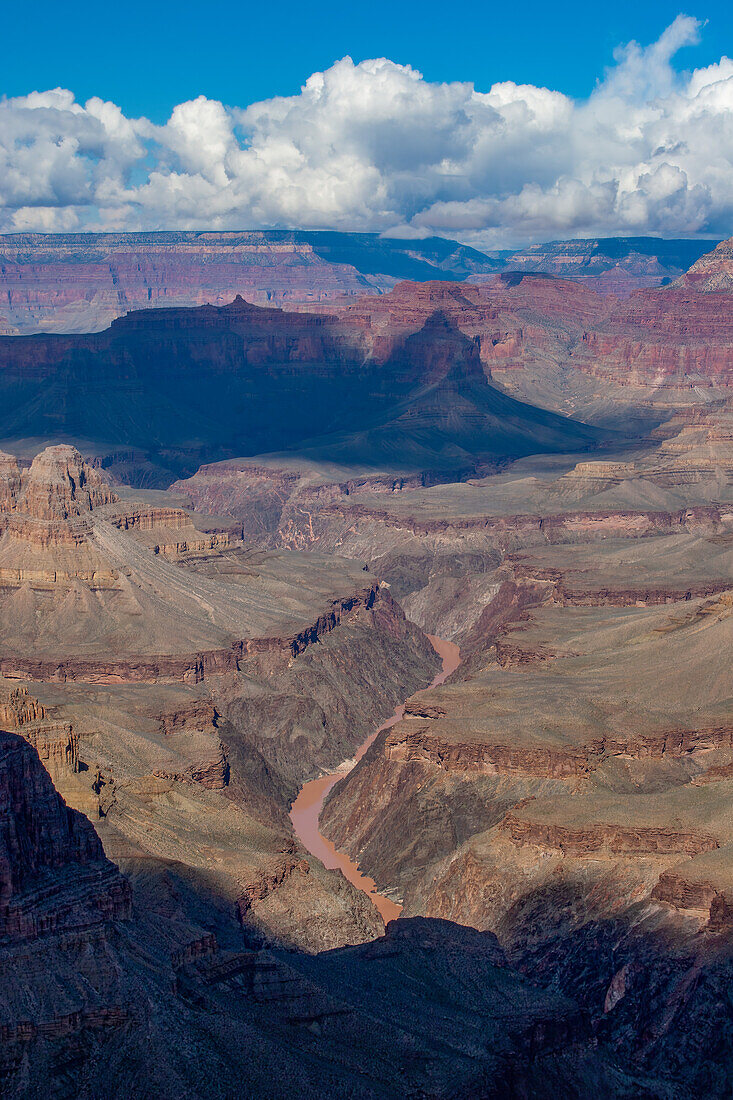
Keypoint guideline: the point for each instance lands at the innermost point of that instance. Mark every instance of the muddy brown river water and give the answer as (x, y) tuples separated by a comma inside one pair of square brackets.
[(307, 807)]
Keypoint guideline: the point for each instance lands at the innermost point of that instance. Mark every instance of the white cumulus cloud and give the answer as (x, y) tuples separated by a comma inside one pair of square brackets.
[(374, 146)]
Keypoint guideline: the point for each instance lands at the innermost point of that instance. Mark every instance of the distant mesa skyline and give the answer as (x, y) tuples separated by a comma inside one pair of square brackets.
[(374, 145)]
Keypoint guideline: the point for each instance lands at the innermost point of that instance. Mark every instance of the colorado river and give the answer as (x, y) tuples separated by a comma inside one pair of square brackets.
[(307, 807)]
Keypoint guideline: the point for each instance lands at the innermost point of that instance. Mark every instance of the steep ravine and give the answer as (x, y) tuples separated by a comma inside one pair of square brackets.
[(306, 809)]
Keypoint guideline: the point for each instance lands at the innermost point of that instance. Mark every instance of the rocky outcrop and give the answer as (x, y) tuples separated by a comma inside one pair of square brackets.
[(172, 533), (685, 887), (567, 589), (9, 482), (56, 743), (59, 485), (684, 893), (713, 272), (212, 772), (409, 741), (671, 338), (258, 890), (201, 714), (18, 708), (53, 871), (49, 504), (57, 747), (513, 317), (509, 532), (577, 841), (190, 668), (407, 744), (150, 519)]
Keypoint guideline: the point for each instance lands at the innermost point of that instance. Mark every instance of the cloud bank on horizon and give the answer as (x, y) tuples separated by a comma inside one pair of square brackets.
[(374, 146)]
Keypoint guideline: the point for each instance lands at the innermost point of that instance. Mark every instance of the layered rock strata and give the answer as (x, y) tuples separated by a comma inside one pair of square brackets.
[(178, 693), (54, 874)]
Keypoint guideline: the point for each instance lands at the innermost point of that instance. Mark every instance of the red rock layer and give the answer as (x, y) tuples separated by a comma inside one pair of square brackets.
[(579, 841), (508, 531), (674, 889), (267, 882), (79, 282), (490, 755), (681, 891), (671, 336), (643, 595)]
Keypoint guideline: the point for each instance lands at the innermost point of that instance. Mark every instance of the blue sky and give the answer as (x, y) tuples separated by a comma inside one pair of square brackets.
[(493, 124), (149, 57)]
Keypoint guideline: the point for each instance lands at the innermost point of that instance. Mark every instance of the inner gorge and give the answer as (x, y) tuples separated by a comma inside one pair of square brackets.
[(306, 809)]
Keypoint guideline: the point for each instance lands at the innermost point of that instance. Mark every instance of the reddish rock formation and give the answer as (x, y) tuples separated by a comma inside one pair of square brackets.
[(18, 708), (47, 505), (56, 743), (674, 889), (506, 531), (81, 282), (511, 316), (678, 336), (577, 841), (409, 742), (266, 883), (186, 668), (670, 337), (198, 715)]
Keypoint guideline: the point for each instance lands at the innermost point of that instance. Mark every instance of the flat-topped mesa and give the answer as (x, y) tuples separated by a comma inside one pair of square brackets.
[(61, 486)]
